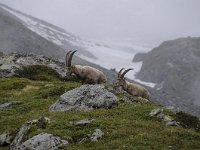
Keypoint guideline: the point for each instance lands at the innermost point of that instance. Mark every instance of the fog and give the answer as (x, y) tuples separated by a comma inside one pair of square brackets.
[(140, 21)]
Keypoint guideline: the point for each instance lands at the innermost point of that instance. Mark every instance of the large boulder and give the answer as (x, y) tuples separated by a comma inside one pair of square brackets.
[(85, 98), (44, 141)]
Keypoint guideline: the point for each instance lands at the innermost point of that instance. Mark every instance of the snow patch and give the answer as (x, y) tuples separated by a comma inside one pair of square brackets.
[(110, 58)]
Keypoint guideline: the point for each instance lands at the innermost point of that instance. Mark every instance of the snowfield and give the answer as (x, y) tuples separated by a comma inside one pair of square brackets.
[(107, 57), (110, 58)]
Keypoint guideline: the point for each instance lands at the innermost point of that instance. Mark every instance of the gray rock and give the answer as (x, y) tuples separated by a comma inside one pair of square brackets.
[(85, 98), (156, 112), (83, 122), (7, 104), (20, 137), (5, 139), (22, 134), (172, 123), (167, 119), (161, 115), (14, 61), (44, 141), (96, 135)]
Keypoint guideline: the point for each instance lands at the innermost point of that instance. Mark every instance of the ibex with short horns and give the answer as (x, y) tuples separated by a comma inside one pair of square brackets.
[(87, 74), (131, 88)]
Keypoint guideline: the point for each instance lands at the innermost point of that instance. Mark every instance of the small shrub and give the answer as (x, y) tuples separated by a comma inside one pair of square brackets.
[(187, 120), (38, 72)]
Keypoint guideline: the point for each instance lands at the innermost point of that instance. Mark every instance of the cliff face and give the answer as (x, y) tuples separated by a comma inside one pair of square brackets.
[(175, 67)]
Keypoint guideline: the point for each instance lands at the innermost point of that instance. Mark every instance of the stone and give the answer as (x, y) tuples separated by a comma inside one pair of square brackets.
[(22, 134), (83, 122), (5, 139), (44, 141), (85, 98), (20, 137), (156, 111), (7, 104), (96, 135), (172, 123), (167, 118), (159, 114)]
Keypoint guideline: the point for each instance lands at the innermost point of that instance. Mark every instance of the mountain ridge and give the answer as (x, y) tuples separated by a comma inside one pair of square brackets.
[(175, 67)]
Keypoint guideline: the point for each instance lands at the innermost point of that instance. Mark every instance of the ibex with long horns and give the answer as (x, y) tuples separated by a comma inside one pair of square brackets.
[(87, 74), (131, 88)]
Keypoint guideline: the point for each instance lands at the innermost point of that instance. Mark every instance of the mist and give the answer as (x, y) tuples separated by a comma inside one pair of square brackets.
[(139, 21)]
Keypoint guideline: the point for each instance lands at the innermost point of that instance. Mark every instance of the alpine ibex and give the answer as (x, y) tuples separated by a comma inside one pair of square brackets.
[(87, 74), (131, 88)]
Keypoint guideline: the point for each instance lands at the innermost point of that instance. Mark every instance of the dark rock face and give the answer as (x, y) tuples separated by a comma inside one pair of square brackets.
[(85, 98), (175, 67), (139, 57)]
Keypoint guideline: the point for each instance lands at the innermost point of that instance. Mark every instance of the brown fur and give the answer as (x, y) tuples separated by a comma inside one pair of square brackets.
[(88, 74), (132, 88)]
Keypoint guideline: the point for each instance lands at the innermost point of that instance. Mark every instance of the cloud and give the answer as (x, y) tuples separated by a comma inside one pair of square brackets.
[(152, 21)]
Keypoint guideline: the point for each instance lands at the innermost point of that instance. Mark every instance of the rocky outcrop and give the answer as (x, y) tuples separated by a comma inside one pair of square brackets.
[(85, 98), (39, 142), (14, 61)]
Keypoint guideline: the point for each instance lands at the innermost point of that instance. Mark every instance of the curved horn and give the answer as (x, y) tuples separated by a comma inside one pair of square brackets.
[(70, 58), (66, 58), (123, 74), (120, 73)]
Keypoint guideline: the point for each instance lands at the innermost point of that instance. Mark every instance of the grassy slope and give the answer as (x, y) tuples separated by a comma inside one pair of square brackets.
[(126, 126)]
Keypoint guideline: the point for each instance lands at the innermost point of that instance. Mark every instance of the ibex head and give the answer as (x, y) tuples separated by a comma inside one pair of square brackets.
[(121, 80)]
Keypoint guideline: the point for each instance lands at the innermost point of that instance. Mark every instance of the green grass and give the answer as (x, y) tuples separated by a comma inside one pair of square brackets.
[(126, 126)]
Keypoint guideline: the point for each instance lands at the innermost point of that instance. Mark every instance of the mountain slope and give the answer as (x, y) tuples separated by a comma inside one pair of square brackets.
[(175, 67), (50, 32), (16, 36)]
